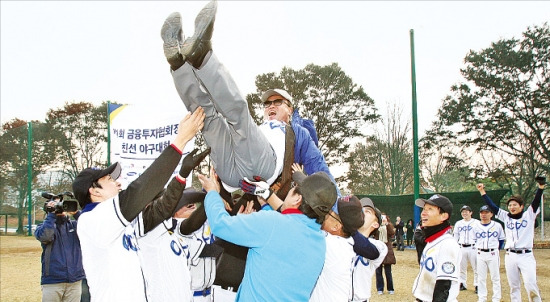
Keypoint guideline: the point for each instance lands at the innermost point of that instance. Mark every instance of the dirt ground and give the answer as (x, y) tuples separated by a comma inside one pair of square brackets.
[(20, 273)]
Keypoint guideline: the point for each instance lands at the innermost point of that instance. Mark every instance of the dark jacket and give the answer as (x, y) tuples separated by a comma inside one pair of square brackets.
[(399, 228), (410, 229), (61, 256)]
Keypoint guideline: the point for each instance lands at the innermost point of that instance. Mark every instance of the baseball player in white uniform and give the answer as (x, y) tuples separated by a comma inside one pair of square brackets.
[(164, 257), (334, 282), (466, 238), (363, 268), (107, 225), (489, 235), (201, 252), (519, 229), (438, 279)]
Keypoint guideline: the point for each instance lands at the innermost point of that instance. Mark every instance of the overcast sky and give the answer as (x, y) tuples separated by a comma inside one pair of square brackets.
[(57, 52)]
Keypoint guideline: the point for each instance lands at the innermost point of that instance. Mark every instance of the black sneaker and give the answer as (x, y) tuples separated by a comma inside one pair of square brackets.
[(172, 35), (462, 287)]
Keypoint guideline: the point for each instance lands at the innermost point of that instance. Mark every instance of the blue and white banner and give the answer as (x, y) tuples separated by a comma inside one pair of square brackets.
[(140, 134)]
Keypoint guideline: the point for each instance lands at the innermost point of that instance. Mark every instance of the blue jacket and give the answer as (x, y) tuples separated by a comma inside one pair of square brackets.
[(306, 150), (286, 251), (61, 256), (306, 153)]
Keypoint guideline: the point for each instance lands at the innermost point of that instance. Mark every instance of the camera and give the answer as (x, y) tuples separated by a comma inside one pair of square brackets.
[(62, 204), (541, 179)]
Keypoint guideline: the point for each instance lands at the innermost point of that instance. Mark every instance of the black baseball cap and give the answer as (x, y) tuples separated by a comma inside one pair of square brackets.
[(189, 196), (439, 201), (351, 213), (83, 181)]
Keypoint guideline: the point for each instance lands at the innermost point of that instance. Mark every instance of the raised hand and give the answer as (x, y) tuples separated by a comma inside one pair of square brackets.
[(190, 161), (258, 187), (481, 188), (248, 209), (210, 183), (188, 127)]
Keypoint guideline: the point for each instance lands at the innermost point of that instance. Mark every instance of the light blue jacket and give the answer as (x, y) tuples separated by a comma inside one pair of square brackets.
[(286, 251)]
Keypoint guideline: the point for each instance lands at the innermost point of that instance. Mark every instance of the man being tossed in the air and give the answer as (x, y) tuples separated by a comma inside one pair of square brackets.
[(240, 148)]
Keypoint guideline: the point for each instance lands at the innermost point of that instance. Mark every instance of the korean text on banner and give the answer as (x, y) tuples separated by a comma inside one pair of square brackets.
[(140, 134)]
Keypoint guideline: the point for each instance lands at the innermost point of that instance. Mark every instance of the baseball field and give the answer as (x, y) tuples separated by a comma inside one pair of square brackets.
[(20, 273)]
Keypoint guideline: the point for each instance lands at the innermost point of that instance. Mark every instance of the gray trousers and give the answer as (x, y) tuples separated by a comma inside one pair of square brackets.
[(239, 148), (66, 292)]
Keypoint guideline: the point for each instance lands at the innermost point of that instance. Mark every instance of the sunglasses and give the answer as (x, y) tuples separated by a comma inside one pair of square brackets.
[(277, 102)]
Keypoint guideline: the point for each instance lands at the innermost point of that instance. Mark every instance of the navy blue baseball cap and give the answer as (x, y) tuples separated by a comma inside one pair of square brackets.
[(485, 208)]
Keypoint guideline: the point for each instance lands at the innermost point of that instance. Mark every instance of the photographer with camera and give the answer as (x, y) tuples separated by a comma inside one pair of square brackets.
[(62, 270), (519, 229)]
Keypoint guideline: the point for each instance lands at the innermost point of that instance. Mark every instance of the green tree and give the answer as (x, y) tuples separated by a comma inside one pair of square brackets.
[(512, 174), (326, 95), (503, 105), (14, 160), (383, 164), (79, 132)]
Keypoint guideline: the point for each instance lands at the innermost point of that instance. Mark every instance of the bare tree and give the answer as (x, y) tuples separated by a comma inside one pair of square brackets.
[(383, 164)]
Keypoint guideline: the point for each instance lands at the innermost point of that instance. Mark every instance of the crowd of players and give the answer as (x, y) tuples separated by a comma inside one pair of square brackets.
[(290, 237)]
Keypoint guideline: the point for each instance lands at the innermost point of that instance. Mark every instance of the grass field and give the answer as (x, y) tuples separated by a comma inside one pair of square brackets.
[(20, 273)]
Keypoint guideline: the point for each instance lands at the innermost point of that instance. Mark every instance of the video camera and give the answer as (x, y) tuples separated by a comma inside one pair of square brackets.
[(61, 204)]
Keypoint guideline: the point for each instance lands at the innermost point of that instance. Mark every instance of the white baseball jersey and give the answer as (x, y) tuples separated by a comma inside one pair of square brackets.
[(519, 236), (110, 253), (488, 236), (275, 132), (464, 233), (519, 232), (334, 282), (362, 271), (164, 264), (203, 270), (440, 260)]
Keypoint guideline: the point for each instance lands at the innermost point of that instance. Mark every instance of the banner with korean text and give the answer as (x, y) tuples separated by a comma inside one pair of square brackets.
[(138, 135)]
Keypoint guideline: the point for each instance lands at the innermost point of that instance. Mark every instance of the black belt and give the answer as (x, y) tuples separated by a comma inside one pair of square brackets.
[(486, 250), (466, 245), (519, 251), (201, 293), (229, 288)]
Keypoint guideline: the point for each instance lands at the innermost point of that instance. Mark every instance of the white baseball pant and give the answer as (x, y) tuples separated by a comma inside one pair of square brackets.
[(469, 255), (525, 265), (488, 260)]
